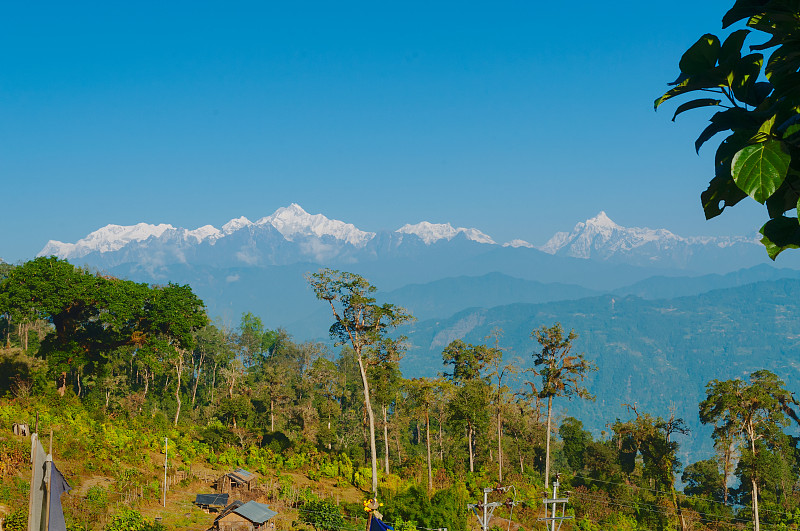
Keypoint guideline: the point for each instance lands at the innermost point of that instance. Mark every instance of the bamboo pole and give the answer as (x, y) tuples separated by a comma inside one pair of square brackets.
[(49, 474)]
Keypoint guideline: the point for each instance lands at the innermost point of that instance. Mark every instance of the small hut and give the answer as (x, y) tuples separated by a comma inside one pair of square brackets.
[(23, 430), (250, 516), (238, 479)]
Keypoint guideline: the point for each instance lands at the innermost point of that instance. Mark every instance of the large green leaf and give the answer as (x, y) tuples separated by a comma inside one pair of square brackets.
[(785, 198), (760, 169), (731, 50), (780, 234), (694, 104), (701, 57), (735, 119), (721, 193), (742, 9), (745, 75)]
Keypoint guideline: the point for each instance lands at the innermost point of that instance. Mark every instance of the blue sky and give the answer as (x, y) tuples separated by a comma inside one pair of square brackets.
[(518, 118)]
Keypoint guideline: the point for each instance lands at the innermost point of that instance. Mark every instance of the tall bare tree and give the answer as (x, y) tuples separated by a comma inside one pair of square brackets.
[(363, 324), (561, 372)]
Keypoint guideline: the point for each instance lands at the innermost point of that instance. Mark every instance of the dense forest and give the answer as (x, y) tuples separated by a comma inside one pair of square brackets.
[(114, 367)]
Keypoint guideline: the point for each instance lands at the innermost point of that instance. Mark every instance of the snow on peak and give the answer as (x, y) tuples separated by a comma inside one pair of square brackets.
[(201, 233), (292, 221), (602, 220), (601, 236), (518, 243), (107, 239), (235, 224), (433, 232)]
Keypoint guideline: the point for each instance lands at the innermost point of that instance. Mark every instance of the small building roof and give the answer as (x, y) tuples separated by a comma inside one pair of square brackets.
[(220, 500), (228, 510), (242, 474), (258, 513)]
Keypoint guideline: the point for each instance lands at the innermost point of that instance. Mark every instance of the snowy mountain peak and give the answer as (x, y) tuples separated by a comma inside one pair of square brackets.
[(205, 232), (236, 224), (293, 221), (433, 232), (600, 238), (107, 239), (519, 243), (602, 220)]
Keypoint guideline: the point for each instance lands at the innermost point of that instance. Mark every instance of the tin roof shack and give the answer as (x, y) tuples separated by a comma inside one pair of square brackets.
[(250, 516), (238, 479), (211, 502)]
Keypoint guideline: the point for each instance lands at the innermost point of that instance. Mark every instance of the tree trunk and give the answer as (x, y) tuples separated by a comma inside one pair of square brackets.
[(397, 444), (232, 384), (547, 442), (146, 382), (469, 445), (441, 442), (178, 370), (371, 418), (751, 434), (214, 382), (385, 438), (499, 447), (428, 444), (62, 383), (197, 376), (756, 524), (726, 470), (272, 415)]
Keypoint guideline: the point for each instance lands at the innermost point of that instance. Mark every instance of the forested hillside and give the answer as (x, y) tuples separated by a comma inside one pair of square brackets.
[(105, 362), (658, 354)]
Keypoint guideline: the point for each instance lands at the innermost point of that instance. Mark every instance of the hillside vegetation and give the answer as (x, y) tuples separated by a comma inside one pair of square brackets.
[(114, 367)]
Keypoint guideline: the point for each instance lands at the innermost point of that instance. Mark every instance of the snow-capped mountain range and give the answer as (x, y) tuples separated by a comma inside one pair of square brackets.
[(602, 239), (291, 235)]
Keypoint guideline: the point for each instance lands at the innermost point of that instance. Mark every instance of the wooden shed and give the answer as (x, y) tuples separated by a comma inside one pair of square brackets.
[(250, 516), (21, 429), (238, 479)]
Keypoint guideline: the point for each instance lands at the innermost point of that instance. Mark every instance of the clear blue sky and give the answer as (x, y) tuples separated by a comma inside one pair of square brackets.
[(518, 118)]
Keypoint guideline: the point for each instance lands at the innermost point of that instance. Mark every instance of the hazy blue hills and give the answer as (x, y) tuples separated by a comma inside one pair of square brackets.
[(654, 353), (663, 287), (450, 295)]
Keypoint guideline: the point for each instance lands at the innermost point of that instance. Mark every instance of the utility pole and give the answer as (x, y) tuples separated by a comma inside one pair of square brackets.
[(487, 507), (554, 502), (166, 449)]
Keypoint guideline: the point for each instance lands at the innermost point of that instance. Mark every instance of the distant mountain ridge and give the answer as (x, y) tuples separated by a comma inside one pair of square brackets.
[(601, 238), (292, 235)]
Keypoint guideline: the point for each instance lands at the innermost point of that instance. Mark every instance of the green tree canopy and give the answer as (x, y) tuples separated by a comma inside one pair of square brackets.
[(362, 323)]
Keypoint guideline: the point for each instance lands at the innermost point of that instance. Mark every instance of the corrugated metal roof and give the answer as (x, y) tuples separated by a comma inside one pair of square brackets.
[(212, 499), (258, 513), (241, 472), (229, 509), (242, 475)]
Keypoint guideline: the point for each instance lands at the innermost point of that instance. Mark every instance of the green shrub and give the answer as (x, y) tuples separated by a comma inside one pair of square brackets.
[(97, 497), (323, 515), (17, 520), (131, 520)]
